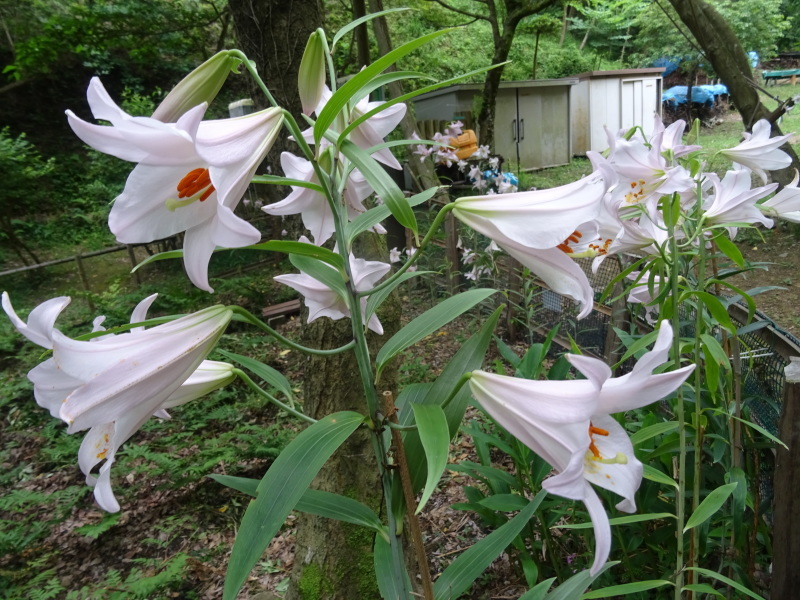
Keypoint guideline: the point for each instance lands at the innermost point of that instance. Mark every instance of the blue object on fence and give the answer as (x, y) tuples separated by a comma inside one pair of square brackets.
[(753, 56), (676, 95)]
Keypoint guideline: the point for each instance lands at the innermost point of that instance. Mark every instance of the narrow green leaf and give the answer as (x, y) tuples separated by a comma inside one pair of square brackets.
[(435, 438), (463, 571), (710, 505), (385, 79), (716, 308), (505, 502), (626, 588), (729, 249), (539, 591), (726, 581), (281, 488), (343, 95), (340, 508), (388, 585), (303, 249), (156, 257), (278, 180), (492, 474), (646, 433), (315, 502), (739, 496), (353, 24), (618, 520), (271, 376), (654, 474), (321, 272), (577, 584), (430, 321), (373, 216), (382, 183), (760, 430), (634, 346), (468, 358), (703, 588), (715, 351)]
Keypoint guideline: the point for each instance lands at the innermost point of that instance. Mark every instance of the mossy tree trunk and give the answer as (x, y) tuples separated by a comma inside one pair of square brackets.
[(333, 560)]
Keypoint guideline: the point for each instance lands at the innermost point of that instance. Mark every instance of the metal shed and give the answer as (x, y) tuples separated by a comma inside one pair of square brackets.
[(532, 122), (613, 99)]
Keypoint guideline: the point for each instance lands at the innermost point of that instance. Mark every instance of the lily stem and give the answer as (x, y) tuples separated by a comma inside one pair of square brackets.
[(249, 317), (246, 378)]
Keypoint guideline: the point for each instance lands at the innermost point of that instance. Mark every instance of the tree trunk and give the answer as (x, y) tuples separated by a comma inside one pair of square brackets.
[(730, 62), (333, 560)]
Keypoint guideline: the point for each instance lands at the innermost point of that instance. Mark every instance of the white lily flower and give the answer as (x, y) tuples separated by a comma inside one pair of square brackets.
[(760, 152), (734, 201), (786, 203), (567, 423), (313, 207), (538, 228), (322, 301), (114, 383), (190, 177)]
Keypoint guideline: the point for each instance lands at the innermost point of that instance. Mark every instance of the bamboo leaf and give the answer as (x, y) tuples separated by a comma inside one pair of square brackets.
[(626, 588), (646, 433), (654, 474), (577, 584), (619, 520), (387, 582), (710, 505), (726, 581), (280, 489), (278, 180), (538, 592)]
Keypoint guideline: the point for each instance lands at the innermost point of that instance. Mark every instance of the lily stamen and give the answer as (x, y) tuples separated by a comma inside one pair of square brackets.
[(592, 447), (194, 181), (573, 238)]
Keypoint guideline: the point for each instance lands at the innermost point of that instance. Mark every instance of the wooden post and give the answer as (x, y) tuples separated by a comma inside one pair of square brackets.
[(786, 541)]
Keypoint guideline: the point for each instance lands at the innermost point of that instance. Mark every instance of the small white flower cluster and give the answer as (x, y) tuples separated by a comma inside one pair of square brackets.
[(442, 151), (396, 255)]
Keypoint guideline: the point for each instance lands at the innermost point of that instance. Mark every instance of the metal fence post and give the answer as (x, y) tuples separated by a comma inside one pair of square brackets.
[(786, 540)]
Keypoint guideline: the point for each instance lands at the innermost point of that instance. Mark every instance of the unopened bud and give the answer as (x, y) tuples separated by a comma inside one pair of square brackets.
[(201, 85), (311, 76)]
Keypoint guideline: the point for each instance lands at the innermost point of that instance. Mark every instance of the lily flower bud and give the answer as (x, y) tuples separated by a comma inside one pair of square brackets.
[(199, 86), (311, 76)]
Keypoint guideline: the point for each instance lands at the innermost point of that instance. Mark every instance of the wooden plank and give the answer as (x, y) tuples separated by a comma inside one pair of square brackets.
[(786, 541), (284, 309)]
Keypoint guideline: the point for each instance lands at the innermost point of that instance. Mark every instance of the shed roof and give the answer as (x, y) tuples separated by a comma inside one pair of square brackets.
[(475, 87), (620, 73)]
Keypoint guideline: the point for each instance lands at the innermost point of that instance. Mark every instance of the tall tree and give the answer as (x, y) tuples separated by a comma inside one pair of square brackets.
[(729, 60), (503, 16), (333, 560)]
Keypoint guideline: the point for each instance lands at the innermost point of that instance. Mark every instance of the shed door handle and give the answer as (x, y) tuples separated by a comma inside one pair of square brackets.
[(521, 129), (514, 130)]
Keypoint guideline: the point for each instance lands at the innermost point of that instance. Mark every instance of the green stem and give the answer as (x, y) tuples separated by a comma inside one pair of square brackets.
[(674, 265), (254, 74), (246, 378), (437, 221), (248, 317)]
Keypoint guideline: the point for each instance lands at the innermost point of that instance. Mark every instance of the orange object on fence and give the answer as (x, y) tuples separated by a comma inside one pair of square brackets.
[(466, 144)]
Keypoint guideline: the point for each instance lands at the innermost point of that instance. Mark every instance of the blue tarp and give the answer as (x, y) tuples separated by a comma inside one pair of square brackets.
[(669, 64), (701, 94)]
